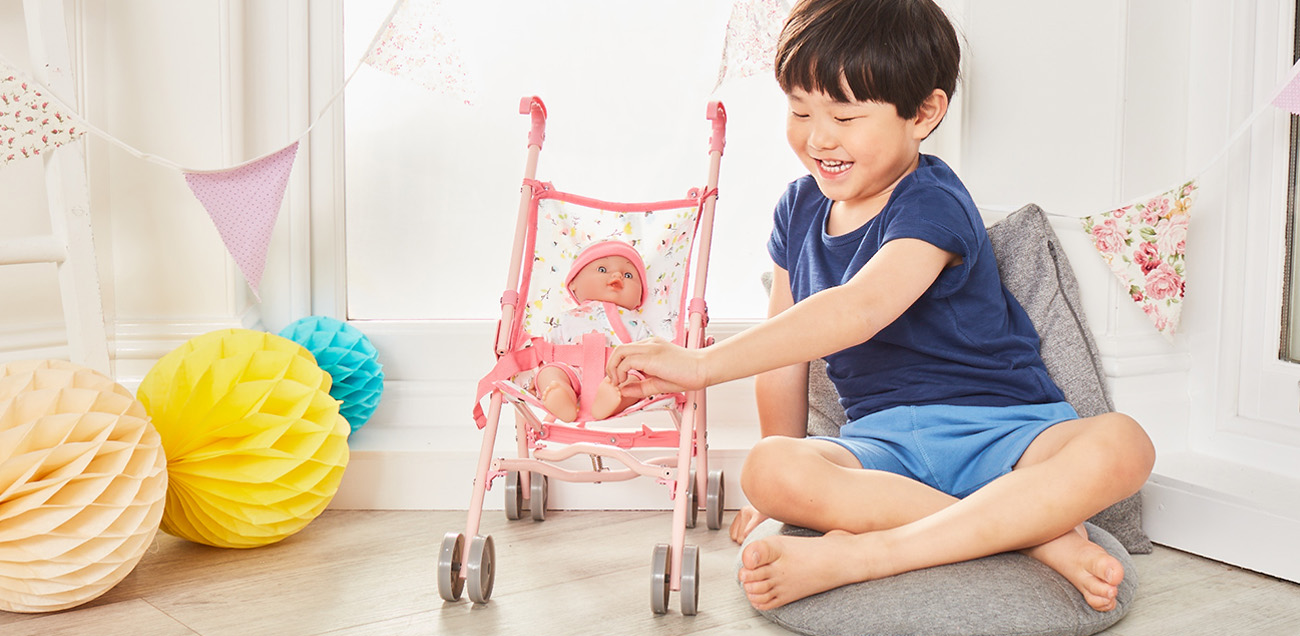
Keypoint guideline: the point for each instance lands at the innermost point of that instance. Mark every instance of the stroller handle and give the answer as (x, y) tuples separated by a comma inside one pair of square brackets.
[(533, 106), (718, 115)]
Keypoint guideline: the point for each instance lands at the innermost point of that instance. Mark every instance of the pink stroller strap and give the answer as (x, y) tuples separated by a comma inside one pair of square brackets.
[(589, 357), (594, 353), (616, 323)]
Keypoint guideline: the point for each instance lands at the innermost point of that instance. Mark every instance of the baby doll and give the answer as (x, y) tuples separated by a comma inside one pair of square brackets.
[(607, 280)]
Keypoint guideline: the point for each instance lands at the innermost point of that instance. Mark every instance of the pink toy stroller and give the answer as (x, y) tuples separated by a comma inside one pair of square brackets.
[(672, 237)]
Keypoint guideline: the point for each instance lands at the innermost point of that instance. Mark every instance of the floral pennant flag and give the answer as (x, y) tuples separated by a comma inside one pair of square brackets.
[(417, 44), (244, 202), (1288, 98), (1145, 245), (750, 44), (30, 121)]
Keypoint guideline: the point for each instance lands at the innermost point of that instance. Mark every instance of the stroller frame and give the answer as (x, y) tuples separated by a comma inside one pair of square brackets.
[(674, 566)]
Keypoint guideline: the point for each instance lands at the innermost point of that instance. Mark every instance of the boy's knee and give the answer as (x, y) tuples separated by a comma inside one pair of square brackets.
[(1131, 453), (765, 475)]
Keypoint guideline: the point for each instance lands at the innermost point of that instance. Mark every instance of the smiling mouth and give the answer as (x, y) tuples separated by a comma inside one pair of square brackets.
[(831, 166)]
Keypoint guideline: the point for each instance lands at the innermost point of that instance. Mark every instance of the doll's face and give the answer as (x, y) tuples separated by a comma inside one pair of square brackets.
[(610, 279)]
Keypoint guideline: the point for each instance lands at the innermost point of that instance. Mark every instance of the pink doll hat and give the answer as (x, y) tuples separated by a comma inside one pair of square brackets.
[(605, 248)]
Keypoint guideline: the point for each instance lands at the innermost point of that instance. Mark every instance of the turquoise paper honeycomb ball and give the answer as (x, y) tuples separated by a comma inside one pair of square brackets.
[(350, 359)]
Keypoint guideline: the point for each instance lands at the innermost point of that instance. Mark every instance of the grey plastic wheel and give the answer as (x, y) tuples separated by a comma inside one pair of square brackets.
[(690, 580), (714, 500), (537, 501), (449, 581), (480, 571), (692, 502), (660, 579), (514, 496)]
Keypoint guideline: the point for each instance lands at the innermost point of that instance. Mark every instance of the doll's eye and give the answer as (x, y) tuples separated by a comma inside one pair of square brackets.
[(600, 268), (627, 275)]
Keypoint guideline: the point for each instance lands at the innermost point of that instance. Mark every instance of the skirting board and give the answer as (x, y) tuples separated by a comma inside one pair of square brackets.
[(1225, 511)]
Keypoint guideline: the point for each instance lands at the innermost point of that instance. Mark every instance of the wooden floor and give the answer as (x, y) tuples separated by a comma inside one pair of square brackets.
[(355, 572)]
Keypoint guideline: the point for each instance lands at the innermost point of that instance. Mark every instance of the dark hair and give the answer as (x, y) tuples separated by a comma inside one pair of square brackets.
[(889, 51)]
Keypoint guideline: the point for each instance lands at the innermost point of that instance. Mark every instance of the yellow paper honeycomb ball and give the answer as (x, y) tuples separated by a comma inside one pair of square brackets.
[(255, 445)]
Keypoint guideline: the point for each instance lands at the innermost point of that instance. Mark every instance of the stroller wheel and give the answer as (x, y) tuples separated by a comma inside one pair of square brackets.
[(538, 499), (660, 581), (514, 496), (480, 572), (692, 502), (690, 580), (449, 581), (714, 500)]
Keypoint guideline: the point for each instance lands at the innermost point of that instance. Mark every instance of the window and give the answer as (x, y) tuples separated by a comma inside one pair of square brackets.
[(1290, 341), (432, 185)]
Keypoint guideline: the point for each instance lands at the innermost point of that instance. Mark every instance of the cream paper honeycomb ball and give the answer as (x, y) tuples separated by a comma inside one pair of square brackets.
[(83, 478)]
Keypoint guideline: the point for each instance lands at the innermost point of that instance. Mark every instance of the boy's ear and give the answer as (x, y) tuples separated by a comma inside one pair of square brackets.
[(931, 112)]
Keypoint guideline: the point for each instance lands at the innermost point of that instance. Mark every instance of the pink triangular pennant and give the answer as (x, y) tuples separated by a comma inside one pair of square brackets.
[(750, 44), (419, 44), (244, 203), (30, 121), (1288, 97), (1145, 245)]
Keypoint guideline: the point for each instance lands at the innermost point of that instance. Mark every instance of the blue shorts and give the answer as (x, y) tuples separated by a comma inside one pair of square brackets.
[(955, 449)]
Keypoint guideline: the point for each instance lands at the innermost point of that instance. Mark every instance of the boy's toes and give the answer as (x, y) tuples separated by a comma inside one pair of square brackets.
[(757, 588), (764, 603), (1100, 595), (758, 554), (1106, 568), (1100, 603)]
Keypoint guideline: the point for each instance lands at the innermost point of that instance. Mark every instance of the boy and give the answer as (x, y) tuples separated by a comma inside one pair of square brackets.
[(958, 444)]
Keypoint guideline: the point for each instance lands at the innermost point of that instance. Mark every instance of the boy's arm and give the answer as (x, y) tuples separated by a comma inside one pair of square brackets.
[(828, 321), (782, 394)]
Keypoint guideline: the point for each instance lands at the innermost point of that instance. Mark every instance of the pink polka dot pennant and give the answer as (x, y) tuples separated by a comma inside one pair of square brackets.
[(244, 203), (1288, 97)]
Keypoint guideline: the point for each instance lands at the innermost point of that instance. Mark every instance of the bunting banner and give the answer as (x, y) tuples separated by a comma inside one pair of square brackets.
[(244, 203), (1145, 246), (1143, 243), (30, 122), (418, 45), (749, 47)]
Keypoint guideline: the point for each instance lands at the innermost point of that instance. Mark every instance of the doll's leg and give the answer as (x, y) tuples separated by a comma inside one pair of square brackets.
[(609, 401), (557, 392)]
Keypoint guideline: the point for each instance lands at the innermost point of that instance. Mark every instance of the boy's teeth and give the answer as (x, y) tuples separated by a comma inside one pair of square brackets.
[(834, 166)]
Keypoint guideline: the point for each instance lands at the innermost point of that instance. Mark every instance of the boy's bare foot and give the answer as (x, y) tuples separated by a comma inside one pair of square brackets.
[(746, 519), (781, 569), (1086, 565)]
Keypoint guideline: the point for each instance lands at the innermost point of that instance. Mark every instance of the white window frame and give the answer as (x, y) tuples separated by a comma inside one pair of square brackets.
[(1255, 396)]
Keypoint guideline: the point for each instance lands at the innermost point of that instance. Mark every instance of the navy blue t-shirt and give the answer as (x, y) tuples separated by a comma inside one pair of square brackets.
[(966, 341)]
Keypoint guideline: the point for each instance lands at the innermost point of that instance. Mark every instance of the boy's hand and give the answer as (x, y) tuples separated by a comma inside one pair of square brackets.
[(666, 367), (746, 520)]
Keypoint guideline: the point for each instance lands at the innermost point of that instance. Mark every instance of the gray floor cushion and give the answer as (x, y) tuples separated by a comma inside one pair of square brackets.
[(1005, 595)]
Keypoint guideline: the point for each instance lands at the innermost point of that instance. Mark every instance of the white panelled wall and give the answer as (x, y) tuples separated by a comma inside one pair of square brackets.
[(1078, 107)]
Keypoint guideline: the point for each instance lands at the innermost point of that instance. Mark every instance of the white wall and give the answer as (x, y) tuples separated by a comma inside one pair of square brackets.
[(1077, 107)]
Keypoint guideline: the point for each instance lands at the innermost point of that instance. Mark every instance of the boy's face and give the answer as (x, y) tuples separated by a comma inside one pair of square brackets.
[(610, 279), (856, 151)]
